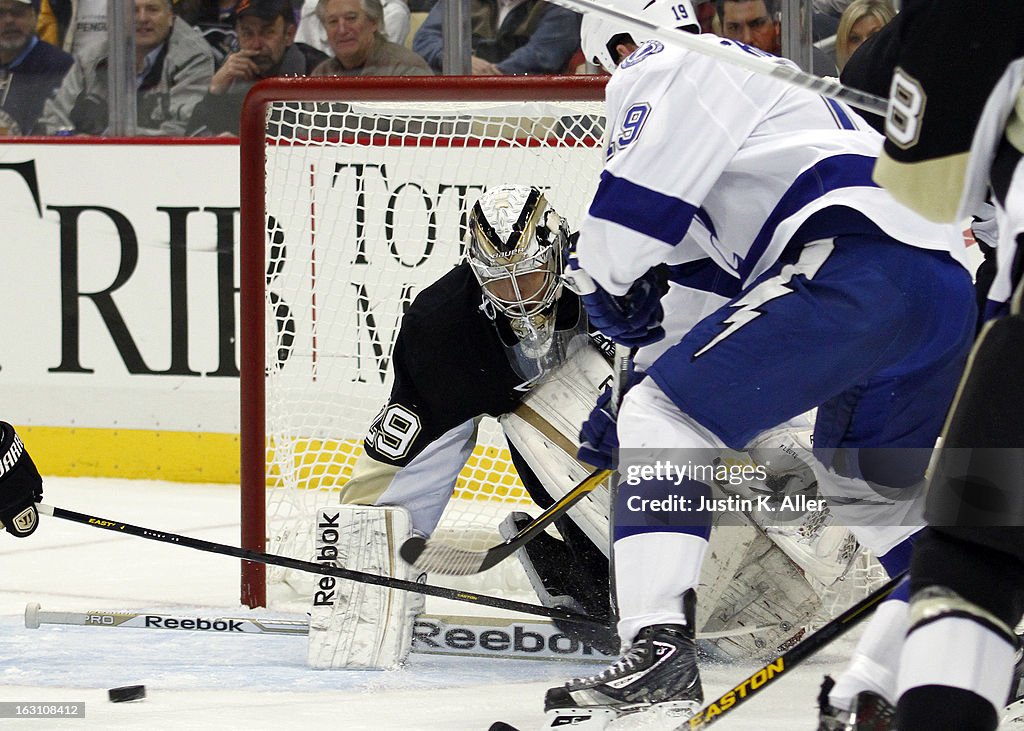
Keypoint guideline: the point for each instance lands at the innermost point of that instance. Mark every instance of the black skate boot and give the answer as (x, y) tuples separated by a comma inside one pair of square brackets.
[(659, 673), (872, 712)]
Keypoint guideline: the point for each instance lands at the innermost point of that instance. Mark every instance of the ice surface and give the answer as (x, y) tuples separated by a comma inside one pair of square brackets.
[(204, 681)]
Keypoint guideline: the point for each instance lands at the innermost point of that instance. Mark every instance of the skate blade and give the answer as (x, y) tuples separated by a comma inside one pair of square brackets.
[(586, 719), (659, 717)]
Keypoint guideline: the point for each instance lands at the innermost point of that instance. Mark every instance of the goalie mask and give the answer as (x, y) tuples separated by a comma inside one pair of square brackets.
[(600, 34), (517, 244)]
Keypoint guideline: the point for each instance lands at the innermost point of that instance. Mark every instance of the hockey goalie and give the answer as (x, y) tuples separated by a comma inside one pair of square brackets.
[(501, 335)]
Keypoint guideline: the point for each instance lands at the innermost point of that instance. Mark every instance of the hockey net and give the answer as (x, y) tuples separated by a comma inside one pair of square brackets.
[(355, 197)]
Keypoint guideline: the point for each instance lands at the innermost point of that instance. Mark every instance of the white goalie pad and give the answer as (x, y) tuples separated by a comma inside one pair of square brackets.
[(545, 429), (355, 625), (753, 600)]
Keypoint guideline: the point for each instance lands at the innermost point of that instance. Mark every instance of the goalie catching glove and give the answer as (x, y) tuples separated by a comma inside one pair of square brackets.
[(633, 319), (20, 485)]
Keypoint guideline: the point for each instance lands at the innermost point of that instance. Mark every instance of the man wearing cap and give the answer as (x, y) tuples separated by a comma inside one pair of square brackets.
[(30, 69), (173, 65), (266, 34)]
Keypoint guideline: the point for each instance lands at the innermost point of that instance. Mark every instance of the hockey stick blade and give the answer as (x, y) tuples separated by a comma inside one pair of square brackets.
[(440, 558), (710, 46), (746, 689), (312, 567)]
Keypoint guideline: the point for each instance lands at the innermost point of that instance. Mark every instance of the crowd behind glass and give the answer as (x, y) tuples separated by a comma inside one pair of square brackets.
[(63, 61)]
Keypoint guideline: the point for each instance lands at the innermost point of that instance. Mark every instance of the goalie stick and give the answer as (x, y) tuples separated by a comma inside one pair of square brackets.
[(750, 62), (449, 560), (316, 568), (441, 558), (488, 637)]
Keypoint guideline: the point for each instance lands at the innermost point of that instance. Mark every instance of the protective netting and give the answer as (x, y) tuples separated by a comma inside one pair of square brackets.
[(366, 205)]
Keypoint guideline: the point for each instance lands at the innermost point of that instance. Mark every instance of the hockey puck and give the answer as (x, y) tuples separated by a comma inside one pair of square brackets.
[(127, 693)]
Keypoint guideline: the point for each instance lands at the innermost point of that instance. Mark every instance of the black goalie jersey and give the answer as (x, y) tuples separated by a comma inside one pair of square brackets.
[(451, 365)]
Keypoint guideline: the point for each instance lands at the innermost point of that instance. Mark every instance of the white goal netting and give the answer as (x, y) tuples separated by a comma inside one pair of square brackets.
[(367, 204)]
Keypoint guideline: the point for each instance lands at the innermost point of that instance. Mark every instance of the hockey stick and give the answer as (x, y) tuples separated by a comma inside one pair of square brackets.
[(746, 689), (711, 46), (317, 568), (449, 560), (432, 634)]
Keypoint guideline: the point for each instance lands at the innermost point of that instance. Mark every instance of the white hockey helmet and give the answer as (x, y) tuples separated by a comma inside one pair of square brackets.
[(599, 34), (516, 247)]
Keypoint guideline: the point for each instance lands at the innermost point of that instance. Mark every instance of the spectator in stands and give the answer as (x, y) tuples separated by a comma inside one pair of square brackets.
[(753, 22), (529, 37), (861, 20), (73, 25), (360, 49), (395, 26), (30, 69), (266, 34), (758, 23), (173, 65)]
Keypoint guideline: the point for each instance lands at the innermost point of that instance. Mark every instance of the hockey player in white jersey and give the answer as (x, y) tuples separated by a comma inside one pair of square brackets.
[(841, 299)]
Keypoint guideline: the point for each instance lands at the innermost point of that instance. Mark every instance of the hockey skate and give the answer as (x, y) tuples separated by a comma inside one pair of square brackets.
[(658, 675), (871, 712)]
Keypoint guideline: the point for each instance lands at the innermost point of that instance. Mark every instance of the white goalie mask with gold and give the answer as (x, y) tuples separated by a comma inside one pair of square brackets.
[(516, 244)]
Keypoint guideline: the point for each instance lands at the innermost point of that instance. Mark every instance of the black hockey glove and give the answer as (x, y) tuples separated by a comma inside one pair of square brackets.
[(20, 485)]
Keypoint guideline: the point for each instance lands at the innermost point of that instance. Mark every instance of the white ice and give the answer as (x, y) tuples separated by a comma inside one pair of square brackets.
[(204, 681)]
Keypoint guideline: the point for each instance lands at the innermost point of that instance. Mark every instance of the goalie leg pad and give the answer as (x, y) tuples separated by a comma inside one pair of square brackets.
[(355, 625), (750, 591)]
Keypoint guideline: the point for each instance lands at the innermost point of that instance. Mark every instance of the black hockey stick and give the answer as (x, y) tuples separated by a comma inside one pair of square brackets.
[(446, 559), (748, 688), (317, 568), (449, 560)]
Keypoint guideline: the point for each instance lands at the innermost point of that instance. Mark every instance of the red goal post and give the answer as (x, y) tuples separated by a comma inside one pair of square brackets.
[(470, 131)]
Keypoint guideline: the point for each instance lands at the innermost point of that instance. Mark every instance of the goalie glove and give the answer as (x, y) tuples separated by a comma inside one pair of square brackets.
[(634, 319), (786, 455), (20, 485)]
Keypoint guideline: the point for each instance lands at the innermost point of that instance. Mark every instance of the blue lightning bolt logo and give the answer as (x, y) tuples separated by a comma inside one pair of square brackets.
[(811, 259)]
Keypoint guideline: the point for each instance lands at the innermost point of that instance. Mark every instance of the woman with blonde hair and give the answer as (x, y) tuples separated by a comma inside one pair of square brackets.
[(861, 19)]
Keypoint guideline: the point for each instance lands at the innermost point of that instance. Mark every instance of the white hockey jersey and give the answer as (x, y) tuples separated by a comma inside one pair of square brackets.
[(754, 161)]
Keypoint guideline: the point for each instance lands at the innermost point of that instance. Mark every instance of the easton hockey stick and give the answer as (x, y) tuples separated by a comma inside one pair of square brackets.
[(446, 559), (765, 676), (711, 46), (317, 568), (746, 689)]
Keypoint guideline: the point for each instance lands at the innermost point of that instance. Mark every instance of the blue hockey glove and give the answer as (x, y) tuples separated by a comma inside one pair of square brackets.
[(633, 319), (20, 485), (599, 437)]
